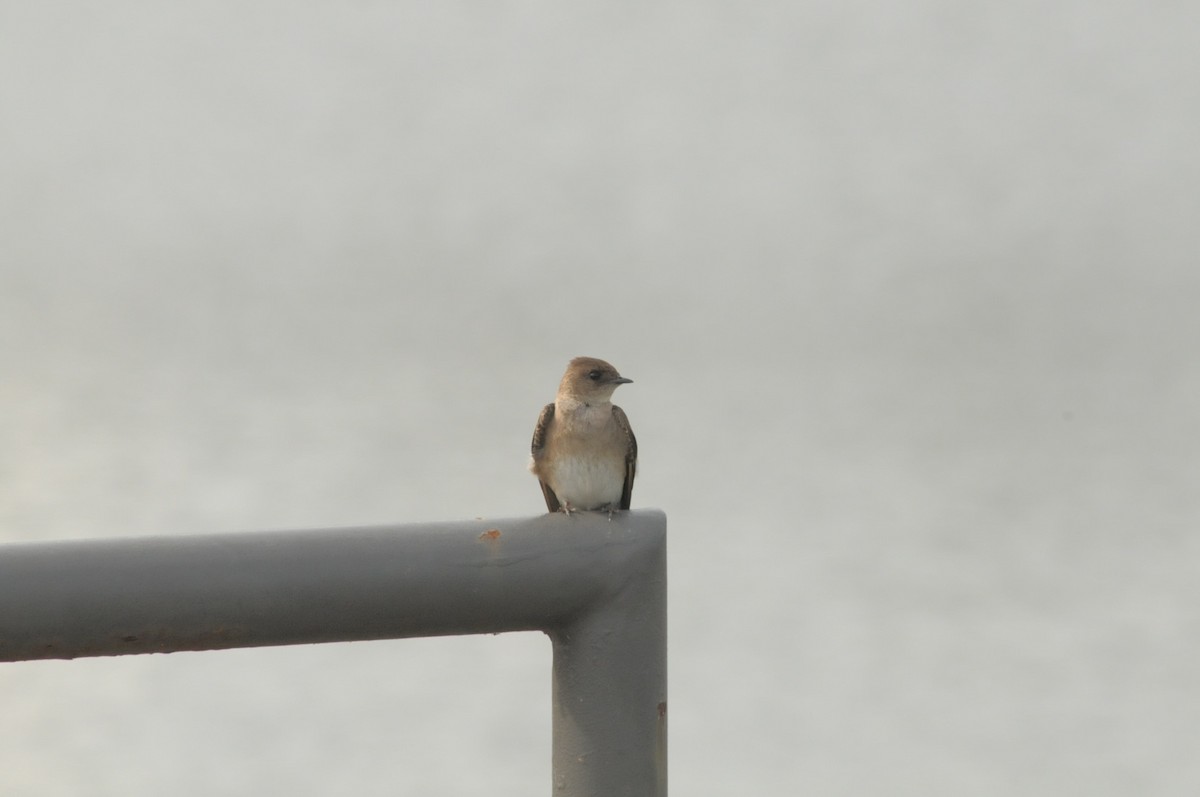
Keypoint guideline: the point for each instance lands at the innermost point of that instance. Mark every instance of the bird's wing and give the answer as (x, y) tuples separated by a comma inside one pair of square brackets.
[(536, 447), (630, 456)]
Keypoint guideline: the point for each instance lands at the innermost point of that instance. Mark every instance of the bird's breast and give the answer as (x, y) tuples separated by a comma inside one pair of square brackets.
[(587, 481)]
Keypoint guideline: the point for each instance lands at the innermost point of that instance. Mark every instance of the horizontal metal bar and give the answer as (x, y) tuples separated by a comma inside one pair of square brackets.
[(596, 585), (158, 594)]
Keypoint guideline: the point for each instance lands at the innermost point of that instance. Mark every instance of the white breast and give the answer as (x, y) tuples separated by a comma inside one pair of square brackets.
[(587, 483)]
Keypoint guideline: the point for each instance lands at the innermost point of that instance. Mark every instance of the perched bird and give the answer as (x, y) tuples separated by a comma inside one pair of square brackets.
[(584, 453)]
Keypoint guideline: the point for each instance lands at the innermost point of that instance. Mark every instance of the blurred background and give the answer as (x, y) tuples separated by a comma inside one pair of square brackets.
[(908, 292)]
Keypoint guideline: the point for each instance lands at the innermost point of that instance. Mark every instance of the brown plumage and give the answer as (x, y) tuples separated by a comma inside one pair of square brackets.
[(584, 453)]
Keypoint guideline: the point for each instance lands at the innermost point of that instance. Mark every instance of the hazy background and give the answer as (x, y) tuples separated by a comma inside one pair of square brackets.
[(909, 292)]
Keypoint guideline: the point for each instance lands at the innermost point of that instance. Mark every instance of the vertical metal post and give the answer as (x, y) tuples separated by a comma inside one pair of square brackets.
[(610, 691)]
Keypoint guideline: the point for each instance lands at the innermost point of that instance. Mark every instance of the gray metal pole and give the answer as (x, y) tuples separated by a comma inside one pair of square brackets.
[(610, 691), (596, 586)]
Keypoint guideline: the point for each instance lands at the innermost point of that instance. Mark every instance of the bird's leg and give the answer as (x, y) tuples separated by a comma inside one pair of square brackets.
[(567, 508)]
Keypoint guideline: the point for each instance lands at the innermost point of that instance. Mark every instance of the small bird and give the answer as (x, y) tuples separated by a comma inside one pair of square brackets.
[(584, 453)]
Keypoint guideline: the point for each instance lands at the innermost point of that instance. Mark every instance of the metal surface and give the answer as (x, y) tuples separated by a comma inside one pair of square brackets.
[(596, 586), (610, 701)]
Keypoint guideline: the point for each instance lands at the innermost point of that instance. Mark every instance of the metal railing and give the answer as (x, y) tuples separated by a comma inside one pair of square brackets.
[(596, 586)]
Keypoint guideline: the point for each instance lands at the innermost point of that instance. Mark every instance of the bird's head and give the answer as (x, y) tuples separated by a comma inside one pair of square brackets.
[(590, 380)]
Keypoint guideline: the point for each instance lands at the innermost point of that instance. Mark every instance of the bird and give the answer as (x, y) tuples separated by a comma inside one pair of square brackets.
[(583, 452)]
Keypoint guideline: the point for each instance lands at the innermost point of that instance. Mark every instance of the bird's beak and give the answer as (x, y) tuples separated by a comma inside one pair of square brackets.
[(620, 380)]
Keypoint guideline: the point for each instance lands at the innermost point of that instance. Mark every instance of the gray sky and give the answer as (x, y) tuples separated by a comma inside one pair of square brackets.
[(907, 292)]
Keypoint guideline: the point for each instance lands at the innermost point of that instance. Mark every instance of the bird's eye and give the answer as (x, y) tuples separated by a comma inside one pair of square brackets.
[(594, 375)]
